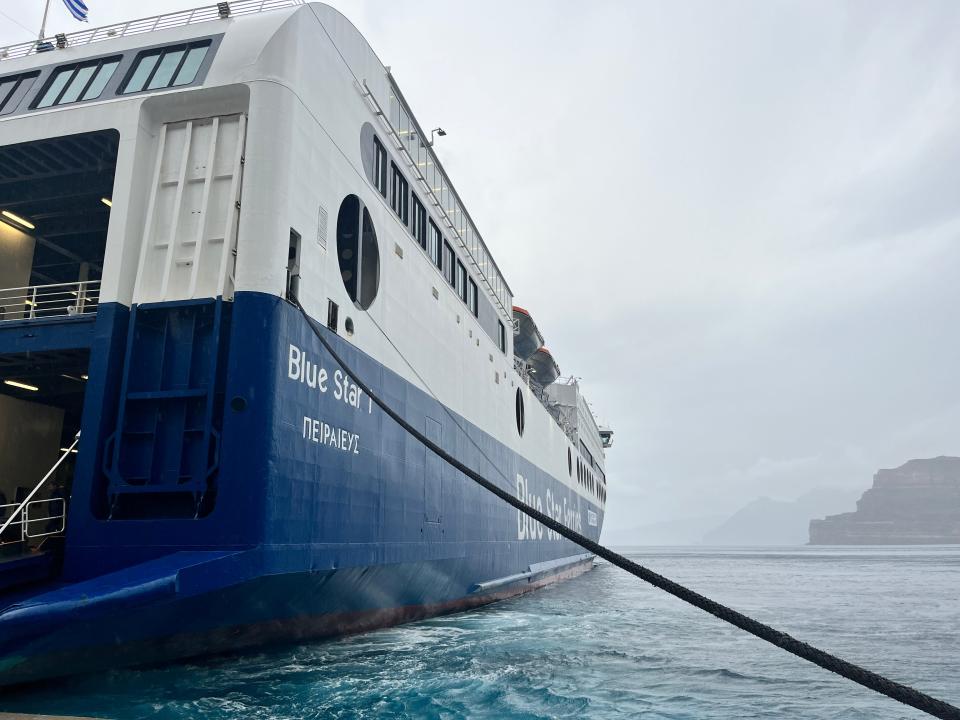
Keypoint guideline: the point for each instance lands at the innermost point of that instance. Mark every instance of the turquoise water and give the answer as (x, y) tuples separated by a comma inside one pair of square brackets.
[(603, 645)]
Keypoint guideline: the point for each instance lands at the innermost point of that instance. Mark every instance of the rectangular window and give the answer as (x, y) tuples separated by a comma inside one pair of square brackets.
[(434, 243), (12, 90), (418, 228), (167, 67), (461, 285), (293, 267), (83, 81), (449, 260), (473, 298), (501, 337), (380, 166), (399, 198)]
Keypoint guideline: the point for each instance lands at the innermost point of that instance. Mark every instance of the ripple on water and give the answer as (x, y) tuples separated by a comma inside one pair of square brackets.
[(599, 646)]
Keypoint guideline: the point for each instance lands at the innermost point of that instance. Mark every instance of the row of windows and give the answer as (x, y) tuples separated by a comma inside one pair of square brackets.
[(427, 234), (420, 151), (156, 69), (587, 479)]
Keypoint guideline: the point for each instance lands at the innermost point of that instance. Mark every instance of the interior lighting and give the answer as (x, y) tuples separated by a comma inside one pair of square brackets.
[(21, 385), (63, 450), (84, 377), (19, 220), (107, 201)]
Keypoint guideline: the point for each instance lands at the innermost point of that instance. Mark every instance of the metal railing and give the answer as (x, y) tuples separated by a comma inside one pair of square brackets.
[(22, 509), (145, 25), (43, 301), (54, 518)]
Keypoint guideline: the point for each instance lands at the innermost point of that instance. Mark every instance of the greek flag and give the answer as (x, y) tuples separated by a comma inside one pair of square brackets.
[(77, 8)]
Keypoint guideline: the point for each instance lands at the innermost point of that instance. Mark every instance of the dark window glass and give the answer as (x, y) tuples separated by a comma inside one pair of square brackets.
[(501, 337), (461, 281), (434, 243), (191, 65), (358, 252), (141, 72), (163, 75), (521, 413), (168, 67), (348, 242), (380, 166), (6, 89), (473, 298), (449, 262), (418, 228), (12, 90), (83, 81), (100, 81), (56, 86), (78, 84), (369, 263), (399, 199)]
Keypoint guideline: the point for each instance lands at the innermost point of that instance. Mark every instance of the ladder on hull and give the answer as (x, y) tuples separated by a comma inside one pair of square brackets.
[(166, 445)]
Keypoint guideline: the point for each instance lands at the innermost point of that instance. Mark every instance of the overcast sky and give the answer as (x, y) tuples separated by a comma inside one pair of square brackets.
[(736, 221)]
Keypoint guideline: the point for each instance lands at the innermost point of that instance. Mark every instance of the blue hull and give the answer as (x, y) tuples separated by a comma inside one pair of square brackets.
[(311, 515)]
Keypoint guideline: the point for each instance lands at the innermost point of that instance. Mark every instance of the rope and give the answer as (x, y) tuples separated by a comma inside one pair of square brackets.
[(867, 678)]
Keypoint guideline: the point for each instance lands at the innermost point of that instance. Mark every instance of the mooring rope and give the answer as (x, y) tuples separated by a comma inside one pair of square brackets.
[(867, 678)]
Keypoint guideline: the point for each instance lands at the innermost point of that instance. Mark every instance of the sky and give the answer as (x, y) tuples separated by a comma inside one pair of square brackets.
[(737, 222)]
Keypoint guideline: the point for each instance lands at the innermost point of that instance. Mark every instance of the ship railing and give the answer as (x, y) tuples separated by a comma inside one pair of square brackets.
[(205, 13), (43, 301), (29, 513), (40, 518)]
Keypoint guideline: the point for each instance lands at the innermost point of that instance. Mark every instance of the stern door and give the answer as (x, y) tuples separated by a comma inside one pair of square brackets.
[(190, 233)]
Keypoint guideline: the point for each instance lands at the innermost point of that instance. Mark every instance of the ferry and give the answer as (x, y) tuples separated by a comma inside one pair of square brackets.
[(188, 203)]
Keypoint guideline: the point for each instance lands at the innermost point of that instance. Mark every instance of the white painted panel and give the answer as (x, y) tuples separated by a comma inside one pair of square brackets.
[(190, 232)]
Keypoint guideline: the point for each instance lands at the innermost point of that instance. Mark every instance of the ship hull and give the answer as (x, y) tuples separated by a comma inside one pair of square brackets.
[(269, 610), (327, 520)]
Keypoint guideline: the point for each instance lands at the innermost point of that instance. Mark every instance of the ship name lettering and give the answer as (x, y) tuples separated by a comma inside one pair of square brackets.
[(323, 433), (559, 510), (312, 374)]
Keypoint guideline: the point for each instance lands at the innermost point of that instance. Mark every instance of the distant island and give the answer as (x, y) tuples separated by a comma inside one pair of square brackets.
[(917, 503)]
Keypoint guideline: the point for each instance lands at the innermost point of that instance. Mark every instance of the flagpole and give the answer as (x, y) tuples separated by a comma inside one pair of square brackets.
[(43, 25)]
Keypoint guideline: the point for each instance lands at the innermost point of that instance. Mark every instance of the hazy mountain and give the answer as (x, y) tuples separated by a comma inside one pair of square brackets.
[(777, 522), (684, 531)]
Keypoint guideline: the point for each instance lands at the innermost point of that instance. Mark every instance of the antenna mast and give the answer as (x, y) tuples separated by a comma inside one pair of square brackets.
[(43, 24)]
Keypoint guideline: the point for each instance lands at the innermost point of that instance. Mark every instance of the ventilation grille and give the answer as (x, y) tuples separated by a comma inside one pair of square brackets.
[(322, 227)]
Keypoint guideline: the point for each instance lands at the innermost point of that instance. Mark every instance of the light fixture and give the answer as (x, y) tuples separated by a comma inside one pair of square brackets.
[(70, 377), (439, 131), (21, 385), (65, 450), (107, 201), (84, 377), (17, 219)]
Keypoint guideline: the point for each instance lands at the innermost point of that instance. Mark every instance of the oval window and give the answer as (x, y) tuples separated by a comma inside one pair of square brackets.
[(358, 252), (569, 463), (521, 419)]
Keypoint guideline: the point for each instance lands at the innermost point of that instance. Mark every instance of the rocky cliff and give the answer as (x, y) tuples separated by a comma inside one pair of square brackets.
[(917, 503)]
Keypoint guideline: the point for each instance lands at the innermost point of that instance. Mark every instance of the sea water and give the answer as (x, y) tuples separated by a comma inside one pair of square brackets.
[(604, 645)]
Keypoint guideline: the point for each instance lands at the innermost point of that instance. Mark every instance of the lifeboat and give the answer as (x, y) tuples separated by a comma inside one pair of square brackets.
[(526, 338), (543, 367)]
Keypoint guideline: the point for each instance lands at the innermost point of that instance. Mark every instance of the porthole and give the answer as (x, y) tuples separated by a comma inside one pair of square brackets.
[(521, 414), (348, 326), (358, 252), (569, 463)]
